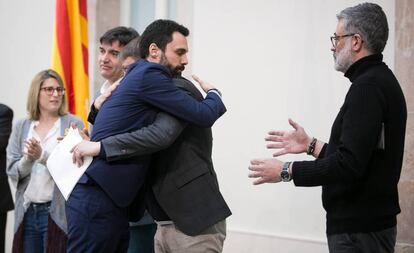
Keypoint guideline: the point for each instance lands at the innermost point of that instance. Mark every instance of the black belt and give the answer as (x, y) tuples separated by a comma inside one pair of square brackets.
[(37, 205)]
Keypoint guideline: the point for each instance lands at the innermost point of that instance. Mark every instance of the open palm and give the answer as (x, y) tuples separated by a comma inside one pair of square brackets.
[(288, 142)]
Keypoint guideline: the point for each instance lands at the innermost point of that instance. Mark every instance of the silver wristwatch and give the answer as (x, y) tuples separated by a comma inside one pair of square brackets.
[(284, 174)]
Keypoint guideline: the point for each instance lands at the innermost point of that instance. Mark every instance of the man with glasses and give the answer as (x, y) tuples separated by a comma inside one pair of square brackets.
[(360, 166)]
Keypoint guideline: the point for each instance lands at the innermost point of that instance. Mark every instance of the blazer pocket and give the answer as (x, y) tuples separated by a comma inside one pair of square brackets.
[(192, 173)]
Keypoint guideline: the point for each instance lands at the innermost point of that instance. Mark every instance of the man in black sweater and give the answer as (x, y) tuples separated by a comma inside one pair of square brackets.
[(360, 166)]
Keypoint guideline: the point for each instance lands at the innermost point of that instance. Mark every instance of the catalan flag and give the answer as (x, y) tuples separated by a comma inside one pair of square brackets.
[(70, 53)]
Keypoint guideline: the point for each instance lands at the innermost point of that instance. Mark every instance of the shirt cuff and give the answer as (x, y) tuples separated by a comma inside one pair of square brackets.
[(215, 91), (102, 153)]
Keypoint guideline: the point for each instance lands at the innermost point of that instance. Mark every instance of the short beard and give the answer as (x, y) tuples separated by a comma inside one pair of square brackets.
[(343, 59), (175, 71)]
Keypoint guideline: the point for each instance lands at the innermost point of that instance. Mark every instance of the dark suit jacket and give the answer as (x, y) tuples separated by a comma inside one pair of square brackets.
[(6, 117), (133, 105), (182, 176)]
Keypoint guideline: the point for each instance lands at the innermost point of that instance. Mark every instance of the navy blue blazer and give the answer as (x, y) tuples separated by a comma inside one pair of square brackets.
[(146, 88)]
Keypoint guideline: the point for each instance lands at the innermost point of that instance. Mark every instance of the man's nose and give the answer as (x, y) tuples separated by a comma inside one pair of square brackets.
[(105, 57), (184, 60)]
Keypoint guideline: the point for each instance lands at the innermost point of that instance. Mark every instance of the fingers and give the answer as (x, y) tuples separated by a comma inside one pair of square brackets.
[(205, 86), (280, 152), (73, 149), (79, 161), (197, 79), (31, 141), (256, 162), (258, 181), (84, 134), (275, 145), (277, 133), (77, 157), (73, 153), (32, 149), (254, 174), (256, 170), (275, 138), (32, 145), (295, 125), (260, 177)]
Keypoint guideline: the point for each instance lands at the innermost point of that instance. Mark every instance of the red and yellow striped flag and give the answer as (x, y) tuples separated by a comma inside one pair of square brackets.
[(70, 53)]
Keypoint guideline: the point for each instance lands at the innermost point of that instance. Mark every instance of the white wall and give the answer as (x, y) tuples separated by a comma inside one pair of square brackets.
[(26, 44), (271, 60), (27, 28)]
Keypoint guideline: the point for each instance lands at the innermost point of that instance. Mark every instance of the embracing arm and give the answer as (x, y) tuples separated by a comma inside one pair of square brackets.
[(155, 137), (158, 90), (147, 140)]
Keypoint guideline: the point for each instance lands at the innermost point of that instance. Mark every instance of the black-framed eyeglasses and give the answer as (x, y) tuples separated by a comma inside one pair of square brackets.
[(336, 38), (51, 90)]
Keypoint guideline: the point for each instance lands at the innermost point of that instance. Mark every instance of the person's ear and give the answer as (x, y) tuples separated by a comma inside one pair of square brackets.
[(154, 51), (357, 42)]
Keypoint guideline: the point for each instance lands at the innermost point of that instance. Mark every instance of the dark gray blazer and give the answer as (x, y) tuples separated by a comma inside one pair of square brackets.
[(182, 176), (6, 117)]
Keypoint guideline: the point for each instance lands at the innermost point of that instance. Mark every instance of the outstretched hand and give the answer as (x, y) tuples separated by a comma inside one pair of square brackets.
[(265, 170), (288, 142), (205, 86)]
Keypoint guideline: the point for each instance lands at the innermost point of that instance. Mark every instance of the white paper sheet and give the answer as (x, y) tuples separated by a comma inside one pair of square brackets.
[(64, 172)]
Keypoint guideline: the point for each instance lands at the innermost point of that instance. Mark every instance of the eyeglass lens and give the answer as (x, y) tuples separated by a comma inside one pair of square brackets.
[(51, 90)]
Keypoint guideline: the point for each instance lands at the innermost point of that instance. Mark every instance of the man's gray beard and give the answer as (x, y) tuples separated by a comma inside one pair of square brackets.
[(343, 59)]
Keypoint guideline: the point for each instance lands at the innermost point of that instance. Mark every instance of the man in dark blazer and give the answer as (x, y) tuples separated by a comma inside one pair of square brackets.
[(6, 200), (97, 208), (183, 193)]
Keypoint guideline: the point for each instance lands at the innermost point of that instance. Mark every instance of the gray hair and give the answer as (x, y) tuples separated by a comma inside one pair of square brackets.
[(131, 50), (370, 22)]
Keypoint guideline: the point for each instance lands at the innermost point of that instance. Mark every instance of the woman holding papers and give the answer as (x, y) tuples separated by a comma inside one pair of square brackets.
[(40, 221)]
